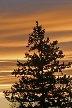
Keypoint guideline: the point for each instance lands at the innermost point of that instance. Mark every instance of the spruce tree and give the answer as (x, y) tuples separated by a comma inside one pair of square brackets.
[(38, 85)]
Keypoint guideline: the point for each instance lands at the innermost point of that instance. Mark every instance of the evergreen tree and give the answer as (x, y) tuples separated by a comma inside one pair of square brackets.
[(38, 86)]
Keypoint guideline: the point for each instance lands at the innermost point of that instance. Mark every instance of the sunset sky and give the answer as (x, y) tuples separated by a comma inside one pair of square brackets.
[(17, 17)]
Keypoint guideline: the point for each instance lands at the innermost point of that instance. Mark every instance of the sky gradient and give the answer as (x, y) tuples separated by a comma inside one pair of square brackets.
[(17, 17)]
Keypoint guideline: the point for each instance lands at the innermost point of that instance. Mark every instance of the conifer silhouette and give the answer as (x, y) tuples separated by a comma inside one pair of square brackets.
[(38, 86)]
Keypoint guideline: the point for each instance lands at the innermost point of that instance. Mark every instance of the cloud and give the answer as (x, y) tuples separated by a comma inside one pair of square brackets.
[(66, 46), (7, 66), (52, 20), (16, 21), (14, 30), (31, 6), (8, 80)]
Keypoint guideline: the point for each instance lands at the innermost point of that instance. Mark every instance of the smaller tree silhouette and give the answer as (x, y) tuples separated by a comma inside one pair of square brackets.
[(38, 86)]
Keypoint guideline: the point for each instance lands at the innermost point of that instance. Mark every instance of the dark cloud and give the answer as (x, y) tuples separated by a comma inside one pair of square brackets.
[(68, 72), (6, 67), (5, 73), (59, 34), (9, 62), (67, 46), (32, 5), (13, 50), (12, 39), (52, 35)]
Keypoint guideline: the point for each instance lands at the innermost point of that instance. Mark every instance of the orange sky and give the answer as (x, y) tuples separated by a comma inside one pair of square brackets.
[(14, 30), (16, 22)]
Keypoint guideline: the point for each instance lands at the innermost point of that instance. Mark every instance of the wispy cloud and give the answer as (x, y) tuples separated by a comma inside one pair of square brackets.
[(14, 32)]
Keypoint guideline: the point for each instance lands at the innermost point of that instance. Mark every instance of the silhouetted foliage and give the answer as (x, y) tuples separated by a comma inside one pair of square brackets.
[(38, 85)]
